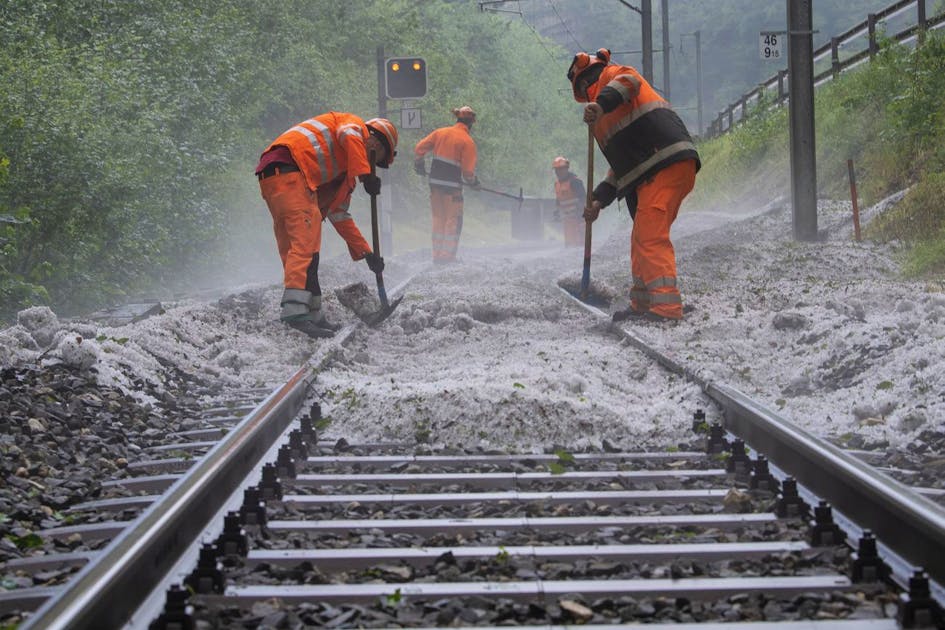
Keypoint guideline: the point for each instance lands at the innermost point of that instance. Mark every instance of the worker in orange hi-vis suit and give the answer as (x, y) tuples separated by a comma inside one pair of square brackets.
[(653, 166), (453, 165), (319, 160), (570, 196)]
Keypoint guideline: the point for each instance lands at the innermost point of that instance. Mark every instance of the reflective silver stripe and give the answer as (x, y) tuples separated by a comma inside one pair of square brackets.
[(337, 217), (444, 182), (570, 203), (633, 116), (447, 160), (662, 281), (449, 237), (350, 130), (623, 89), (657, 157), (665, 298), (323, 160)]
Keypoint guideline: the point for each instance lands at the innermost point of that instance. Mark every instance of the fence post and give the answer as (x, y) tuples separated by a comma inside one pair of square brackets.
[(920, 7), (744, 107), (731, 116), (781, 75), (835, 56), (856, 205), (871, 27)]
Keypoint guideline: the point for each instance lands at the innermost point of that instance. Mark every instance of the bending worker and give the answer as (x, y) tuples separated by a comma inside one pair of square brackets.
[(307, 171), (570, 196), (453, 164), (653, 165)]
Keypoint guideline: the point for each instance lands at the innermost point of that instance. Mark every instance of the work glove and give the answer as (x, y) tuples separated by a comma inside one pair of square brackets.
[(420, 168), (374, 262), (475, 184), (592, 211), (372, 184)]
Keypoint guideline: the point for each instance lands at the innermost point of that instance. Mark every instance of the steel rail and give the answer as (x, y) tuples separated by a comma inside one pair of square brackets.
[(362, 558), (499, 479), (428, 526), (466, 460), (603, 497), (694, 588), (106, 592), (907, 523)]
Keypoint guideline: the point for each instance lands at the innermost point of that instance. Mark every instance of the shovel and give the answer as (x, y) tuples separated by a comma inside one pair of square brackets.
[(586, 274), (584, 293), (373, 319)]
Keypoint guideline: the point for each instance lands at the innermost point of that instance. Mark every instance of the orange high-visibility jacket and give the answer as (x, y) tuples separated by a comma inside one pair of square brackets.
[(454, 156), (570, 194), (333, 201), (639, 132), (326, 147)]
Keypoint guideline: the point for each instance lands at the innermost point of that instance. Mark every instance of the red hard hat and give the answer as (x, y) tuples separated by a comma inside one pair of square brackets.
[(464, 112), (583, 62), (387, 132)]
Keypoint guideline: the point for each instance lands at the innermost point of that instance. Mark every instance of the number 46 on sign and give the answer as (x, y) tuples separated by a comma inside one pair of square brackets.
[(770, 44)]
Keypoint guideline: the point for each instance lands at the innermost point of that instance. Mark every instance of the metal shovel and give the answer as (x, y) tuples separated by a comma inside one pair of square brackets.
[(373, 319)]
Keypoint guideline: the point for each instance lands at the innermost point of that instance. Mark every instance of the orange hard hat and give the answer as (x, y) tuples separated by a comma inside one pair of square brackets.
[(583, 62), (464, 112), (559, 162), (384, 130)]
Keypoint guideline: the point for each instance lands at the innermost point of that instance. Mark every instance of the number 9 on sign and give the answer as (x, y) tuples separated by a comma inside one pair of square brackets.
[(770, 45)]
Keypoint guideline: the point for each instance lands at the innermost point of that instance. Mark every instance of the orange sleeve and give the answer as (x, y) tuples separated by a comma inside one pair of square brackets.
[(348, 230), (469, 159), (351, 138), (424, 146)]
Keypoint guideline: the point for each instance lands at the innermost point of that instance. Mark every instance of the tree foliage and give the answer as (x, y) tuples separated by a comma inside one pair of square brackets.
[(129, 129)]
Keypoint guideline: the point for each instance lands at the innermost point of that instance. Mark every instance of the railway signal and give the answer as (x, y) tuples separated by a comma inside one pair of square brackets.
[(406, 77)]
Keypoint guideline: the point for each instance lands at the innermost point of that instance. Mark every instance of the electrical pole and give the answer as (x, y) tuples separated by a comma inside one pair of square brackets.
[(801, 106), (664, 6), (646, 15), (646, 12), (384, 199)]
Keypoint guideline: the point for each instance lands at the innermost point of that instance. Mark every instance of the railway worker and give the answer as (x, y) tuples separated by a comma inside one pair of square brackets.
[(653, 165), (307, 174), (453, 164), (569, 202)]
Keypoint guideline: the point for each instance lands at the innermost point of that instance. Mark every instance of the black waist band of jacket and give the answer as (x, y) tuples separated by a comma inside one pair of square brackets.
[(641, 140), (445, 172)]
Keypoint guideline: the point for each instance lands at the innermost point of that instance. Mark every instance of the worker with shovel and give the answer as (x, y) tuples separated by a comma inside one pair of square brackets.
[(319, 160), (569, 202), (453, 165), (653, 165)]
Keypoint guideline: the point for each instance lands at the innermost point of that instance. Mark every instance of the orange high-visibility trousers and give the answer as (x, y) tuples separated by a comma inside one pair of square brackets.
[(297, 224), (447, 207), (573, 227), (652, 258)]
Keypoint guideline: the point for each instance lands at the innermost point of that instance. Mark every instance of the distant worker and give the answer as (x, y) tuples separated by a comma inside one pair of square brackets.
[(306, 175), (570, 196), (452, 166), (653, 166)]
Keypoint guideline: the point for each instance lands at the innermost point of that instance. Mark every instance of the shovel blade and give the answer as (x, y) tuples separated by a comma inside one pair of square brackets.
[(373, 319), (591, 299)]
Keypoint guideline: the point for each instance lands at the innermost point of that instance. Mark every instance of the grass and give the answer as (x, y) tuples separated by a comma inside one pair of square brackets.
[(887, 117)]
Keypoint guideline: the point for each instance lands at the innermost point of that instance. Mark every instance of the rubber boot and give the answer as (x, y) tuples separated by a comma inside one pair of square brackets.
[(318, 315), (297, 313)]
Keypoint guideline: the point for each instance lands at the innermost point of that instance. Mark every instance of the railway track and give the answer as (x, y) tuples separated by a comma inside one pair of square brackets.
[(757, 521)]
